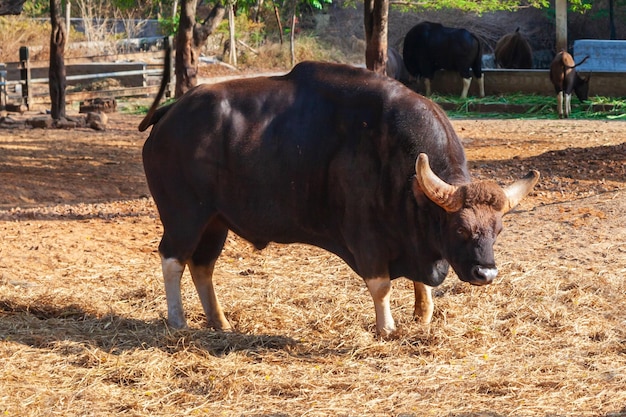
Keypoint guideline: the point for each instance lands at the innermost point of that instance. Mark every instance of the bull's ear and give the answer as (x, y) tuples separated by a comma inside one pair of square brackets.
[(437, 190), (520, 189)]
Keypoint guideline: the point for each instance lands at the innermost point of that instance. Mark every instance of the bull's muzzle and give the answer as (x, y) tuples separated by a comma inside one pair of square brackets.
[(482, 275)]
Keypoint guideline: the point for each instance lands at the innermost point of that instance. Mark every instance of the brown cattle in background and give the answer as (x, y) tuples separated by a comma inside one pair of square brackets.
[(429, 47), (565, 80), (513, 51)]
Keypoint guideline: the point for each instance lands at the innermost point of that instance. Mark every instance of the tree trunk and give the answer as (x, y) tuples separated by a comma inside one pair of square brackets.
[(201, 32), (256, 11), (11, 7), (376, 20), (561, 25), (56, 72), (186, 62), (292, 38), (280, 25), (68, 18), (190, 38), (612, 34), (231, 31)]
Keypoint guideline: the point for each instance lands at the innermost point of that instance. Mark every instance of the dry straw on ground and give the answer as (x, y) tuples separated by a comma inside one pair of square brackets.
[(82, 330)]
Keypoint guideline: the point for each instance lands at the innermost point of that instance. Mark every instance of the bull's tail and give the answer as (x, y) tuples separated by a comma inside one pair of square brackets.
[(583, 61), (566, 67), (167, 72)]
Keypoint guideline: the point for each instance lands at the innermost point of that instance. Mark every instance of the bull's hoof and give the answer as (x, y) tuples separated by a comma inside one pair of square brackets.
[(425, 320), (387, 334), (177, 323), (220, 327)]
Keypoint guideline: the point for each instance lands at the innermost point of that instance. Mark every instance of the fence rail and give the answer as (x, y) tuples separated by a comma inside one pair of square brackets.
[(20, 94)]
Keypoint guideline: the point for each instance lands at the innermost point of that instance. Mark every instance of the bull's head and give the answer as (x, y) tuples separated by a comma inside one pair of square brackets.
[(581, 87), (473, 219)]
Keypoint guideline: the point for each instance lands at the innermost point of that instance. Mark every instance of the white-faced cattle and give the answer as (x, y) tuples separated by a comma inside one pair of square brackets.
[(565, 80), (513, 51), (429, 47), (328, 155)]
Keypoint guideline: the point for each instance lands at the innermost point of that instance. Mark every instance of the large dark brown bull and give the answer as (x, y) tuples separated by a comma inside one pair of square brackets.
[(328, 155), (513, 51), (429, 47), (565, 80)]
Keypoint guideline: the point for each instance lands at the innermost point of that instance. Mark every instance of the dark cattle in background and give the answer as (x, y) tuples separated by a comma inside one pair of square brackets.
[(395, 66), (565, 80), (513, 51), (329, 155), (429, 47)]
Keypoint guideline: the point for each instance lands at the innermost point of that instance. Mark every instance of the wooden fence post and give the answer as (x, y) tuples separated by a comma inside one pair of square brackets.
[(3, 87), (25, 76), (144, 75)]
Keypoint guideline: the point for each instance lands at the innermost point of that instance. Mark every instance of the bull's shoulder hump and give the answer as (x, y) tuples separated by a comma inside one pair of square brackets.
[(341, 81), (327, 72), (257, 88)]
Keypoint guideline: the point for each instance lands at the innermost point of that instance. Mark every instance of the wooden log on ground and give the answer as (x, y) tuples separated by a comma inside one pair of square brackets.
[(98, 104)]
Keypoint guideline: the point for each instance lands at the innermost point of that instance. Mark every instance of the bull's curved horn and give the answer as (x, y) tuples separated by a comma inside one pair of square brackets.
[(519, 189), (436, 189)]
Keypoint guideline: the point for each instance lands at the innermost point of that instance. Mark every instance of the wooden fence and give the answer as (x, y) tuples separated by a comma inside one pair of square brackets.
[(23, 85)]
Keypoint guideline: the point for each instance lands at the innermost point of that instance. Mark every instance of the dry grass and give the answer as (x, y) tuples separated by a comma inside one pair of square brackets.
[(17, 31), (90, 339), (82, 328)]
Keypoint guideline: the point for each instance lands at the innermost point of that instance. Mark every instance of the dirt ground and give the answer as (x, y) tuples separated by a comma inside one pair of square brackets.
[(82, 305)]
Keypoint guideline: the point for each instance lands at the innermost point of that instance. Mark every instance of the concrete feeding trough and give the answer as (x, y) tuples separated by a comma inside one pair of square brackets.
[(604, 55)]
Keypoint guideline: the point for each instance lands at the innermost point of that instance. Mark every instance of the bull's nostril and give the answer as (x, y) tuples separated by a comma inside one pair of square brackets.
[(484, 274)]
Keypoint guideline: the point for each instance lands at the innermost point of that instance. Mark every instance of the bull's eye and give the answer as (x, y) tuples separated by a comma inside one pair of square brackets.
[(464, 233)]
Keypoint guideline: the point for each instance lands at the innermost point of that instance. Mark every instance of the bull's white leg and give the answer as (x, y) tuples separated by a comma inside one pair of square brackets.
[(427, 85), (559, 104), (466, 86), (202, 276), (481, 85), (568, 104), (424, 305), (172, 273), (380, 289)]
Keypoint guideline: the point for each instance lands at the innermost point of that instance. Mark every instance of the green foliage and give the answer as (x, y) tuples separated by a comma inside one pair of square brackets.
[(580, 6), (483, 6), (36, 8), (245, 29), (169, 25), (318, 4)]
